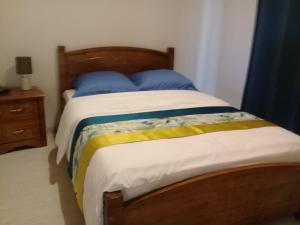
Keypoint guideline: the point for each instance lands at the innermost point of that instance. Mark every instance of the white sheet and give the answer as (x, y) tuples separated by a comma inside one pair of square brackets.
[(137, 168), (68, 95)]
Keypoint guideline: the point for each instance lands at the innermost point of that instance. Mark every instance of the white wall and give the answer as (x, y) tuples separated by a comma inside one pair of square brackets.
[(209, 45), (227, 32), (34, 28), (212, 38), (239, 19), (188, 37)]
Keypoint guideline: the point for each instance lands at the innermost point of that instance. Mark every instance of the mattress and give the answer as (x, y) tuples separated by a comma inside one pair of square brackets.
[(137, 168)]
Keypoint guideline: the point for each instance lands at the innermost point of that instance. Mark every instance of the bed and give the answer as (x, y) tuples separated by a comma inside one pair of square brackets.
[(239, 193)]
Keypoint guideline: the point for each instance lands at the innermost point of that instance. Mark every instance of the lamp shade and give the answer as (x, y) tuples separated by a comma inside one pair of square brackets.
[(23, 65)]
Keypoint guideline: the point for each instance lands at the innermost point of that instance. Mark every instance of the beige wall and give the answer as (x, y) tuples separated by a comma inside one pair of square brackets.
[(188, 37), (238, 26), (36, 27), (212, 38), (225, 45)]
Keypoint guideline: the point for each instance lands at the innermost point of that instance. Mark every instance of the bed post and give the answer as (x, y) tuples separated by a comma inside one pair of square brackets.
[(113, 208), (62, 71), (170, 52)]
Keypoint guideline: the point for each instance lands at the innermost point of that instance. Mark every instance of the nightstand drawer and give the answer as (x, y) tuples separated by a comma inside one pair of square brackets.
[(18, 131), (18, 110)]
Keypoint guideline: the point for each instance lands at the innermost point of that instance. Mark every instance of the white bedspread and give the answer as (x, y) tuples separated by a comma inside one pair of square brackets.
[(68, 95), (140, 167)]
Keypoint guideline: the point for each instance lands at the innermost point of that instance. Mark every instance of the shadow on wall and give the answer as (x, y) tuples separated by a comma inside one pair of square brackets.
[(11, 79), (58, 174)]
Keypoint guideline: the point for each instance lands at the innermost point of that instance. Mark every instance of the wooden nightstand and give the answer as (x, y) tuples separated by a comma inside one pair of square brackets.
[(22, 119)]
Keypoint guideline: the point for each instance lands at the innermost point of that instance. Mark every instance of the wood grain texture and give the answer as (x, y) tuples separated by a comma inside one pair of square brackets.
[(19, 130), (241, 196), (126, 60), (18, 94), (113, 208), (22, 119), (18, 110)]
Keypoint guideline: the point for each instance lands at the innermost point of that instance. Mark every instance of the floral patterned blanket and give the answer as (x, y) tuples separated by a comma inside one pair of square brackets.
[(94, 133)]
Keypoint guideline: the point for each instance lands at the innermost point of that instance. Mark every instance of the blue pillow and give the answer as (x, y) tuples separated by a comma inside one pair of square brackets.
[(101, 83), (161, 80)]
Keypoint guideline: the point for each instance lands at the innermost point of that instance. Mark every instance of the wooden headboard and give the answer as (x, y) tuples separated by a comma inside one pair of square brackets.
[(126, 60)]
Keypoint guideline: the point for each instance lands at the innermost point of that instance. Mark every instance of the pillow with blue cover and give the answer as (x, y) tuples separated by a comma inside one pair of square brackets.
[(161, 80), (102, 82)]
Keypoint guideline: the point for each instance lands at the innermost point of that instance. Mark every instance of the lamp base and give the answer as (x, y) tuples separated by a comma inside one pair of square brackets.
[(26, 83)]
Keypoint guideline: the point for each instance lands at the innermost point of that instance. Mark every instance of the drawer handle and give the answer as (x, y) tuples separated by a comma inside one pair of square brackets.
[(17, 110), (18, 132)]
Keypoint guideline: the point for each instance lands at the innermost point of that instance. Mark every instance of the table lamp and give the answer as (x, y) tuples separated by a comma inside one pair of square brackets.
[(24, 68)]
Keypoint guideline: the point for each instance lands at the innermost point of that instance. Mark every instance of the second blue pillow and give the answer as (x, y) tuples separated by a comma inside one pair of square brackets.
[(161, 80)]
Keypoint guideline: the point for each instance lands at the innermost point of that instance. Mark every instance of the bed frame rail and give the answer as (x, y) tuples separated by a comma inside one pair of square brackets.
[(241, 196)]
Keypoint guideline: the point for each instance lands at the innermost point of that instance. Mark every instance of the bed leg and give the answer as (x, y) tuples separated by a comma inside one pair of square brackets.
[(297, 215), (113, 208)]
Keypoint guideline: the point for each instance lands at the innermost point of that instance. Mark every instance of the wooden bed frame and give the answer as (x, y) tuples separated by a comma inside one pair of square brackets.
[(126, 60), (240, 196)]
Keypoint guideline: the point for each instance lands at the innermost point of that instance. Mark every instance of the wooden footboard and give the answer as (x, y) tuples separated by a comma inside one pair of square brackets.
[(241, 196)]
